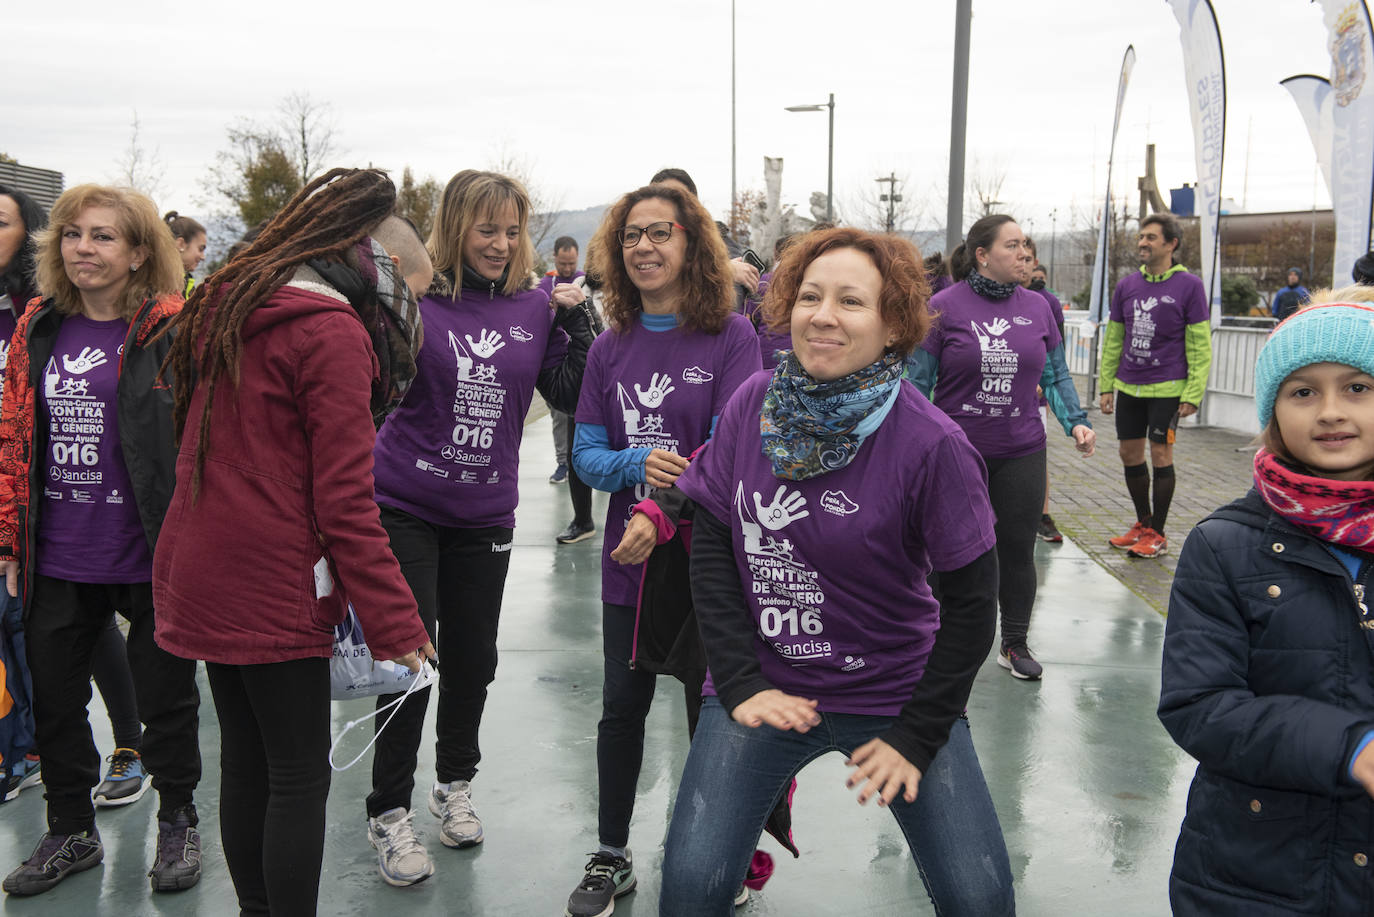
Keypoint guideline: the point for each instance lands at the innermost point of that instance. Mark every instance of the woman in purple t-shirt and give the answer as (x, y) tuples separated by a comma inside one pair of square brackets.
[(446, 467), (828, 494), (995, 344), (655, 384), (86, 474)]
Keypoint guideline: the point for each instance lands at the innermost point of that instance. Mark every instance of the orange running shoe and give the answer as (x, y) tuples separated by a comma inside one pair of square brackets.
[(1151, 544), (1130, 538)]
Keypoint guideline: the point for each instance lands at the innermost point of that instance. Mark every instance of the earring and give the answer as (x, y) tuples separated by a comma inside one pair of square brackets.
[(133, 268), (984, 264)]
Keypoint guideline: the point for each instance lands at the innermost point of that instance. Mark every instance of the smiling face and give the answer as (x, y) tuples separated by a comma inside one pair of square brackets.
[(12, 230), (837, 325), (192, 252), (489, 244), (96, 254), (1156, 254), (1325, 414), (1007, 260), (655, 268)]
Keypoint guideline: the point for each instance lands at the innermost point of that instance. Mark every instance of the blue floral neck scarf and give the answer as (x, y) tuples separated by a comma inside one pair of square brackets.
[(810, 427)]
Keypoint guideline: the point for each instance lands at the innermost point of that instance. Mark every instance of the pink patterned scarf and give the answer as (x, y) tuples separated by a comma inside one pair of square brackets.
[(1337, 512)]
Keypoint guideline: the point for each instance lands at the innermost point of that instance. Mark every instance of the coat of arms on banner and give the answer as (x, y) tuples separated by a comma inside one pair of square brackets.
[(1347, 57)]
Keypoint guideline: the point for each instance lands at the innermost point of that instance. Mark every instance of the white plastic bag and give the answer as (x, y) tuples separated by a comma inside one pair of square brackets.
[(354, 673)]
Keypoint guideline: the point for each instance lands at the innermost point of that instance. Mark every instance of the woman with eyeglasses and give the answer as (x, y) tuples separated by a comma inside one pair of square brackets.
[(447, 466), (654, 386)]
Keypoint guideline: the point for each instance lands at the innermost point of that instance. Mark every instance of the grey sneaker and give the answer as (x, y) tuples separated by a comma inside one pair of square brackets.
[(56, 857), (177, 865), (1017, 660), (401, 859), (607, 877), (460, 825)]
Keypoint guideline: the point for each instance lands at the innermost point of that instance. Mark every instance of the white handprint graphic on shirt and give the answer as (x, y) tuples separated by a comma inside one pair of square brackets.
[(487, 343), (754, 542), (85, 361), (997, 326), (784, 509), (659, 388), (986, 341)]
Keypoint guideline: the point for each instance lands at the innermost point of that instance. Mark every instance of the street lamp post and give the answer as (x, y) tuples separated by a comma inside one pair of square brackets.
[(891, 197), (1054, 226), (830, 163)]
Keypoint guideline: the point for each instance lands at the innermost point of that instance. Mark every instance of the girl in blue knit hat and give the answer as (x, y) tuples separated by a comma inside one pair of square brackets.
[(1268, 674)]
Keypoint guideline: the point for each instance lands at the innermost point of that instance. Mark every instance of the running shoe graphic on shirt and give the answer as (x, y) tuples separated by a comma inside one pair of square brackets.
[(697, 376), (837, 502), (520, 334)]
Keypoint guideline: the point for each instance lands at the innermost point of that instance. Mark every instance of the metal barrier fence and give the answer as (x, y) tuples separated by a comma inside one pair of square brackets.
[(1231, 386)]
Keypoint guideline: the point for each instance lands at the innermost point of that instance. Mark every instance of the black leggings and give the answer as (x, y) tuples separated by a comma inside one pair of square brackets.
[(458, 577), (114, 678), (1016, 487), (579, 491), (274, 780)]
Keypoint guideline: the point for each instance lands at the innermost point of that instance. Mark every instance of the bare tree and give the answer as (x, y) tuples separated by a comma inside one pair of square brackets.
[(139, 167), (308, 128), (985, 181), (543, 203), (264, 164), (871, 212)]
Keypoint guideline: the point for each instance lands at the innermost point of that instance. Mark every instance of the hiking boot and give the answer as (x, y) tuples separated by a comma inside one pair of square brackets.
[(1017, 660), (56, 857), (1125, 541), (27, 772), (560, 474), (125, 782), (575, 532), (607, 877), (177, 865), (460, 825), (1048, 531), (401, 859), (1151, 544)]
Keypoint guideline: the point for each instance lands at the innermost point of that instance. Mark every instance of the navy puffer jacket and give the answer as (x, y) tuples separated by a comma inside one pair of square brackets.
[(1268, 681)]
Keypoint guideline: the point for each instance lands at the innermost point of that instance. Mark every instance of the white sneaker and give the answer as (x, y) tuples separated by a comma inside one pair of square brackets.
[(401, 859), (742, 896), (460, 825)]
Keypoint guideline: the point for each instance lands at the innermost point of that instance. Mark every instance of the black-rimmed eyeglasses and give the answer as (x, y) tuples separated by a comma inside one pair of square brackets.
[(658, 233)]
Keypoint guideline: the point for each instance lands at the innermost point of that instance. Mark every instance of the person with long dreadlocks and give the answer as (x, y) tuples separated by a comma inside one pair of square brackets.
[(447, 468), (283, 360), (86, 453)]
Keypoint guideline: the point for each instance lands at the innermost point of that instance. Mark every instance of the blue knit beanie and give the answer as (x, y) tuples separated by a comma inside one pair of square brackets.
[(1330, 333)]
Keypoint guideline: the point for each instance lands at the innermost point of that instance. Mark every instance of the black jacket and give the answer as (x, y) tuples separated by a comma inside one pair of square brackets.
[(1268, 681), (143, 406)]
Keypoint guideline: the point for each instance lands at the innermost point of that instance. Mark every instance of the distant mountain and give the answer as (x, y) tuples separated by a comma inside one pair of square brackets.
[(580, 224)]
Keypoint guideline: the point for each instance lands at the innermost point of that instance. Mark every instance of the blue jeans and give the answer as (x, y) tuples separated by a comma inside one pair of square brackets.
[(735, 775)]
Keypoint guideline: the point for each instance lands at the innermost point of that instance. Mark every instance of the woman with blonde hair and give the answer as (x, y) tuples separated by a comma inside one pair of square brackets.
[(655, 384), (447, 466), (87, 453)]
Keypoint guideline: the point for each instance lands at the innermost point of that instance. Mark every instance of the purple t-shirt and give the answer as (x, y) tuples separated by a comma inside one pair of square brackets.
[(549, 280), (1155, 316), (991, 356), (833, 568), (89, 530), (450, 453), (658, 389)]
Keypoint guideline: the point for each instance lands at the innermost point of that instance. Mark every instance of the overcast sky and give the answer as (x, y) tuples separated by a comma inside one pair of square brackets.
[(596, 95)]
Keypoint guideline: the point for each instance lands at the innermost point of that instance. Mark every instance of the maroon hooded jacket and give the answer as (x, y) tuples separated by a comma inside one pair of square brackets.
[(287, 480)]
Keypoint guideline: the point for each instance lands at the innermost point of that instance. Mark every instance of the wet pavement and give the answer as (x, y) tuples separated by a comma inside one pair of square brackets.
[(1088, 787)]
